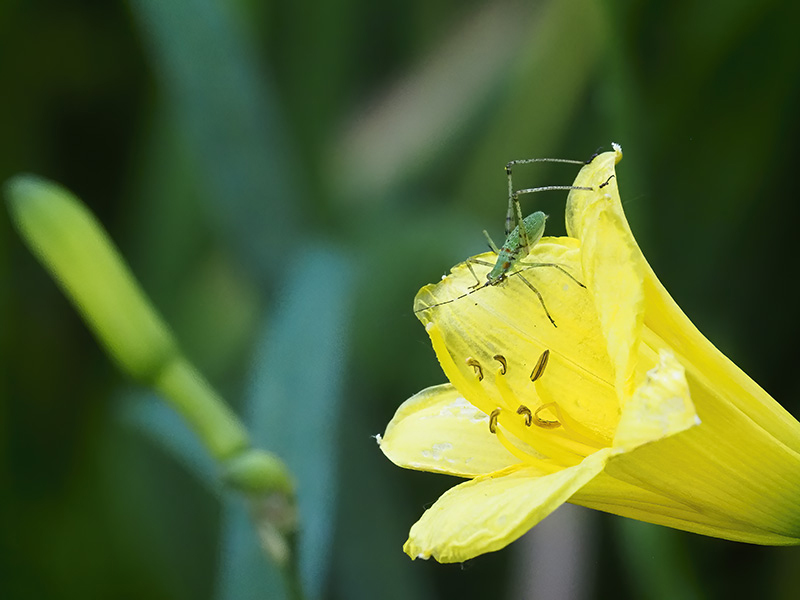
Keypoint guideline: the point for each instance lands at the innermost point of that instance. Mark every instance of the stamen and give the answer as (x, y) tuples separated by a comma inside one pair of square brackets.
[(602, 185), (493, 420), (505, 392), (544, 423), (456, 374), (540, 460), (524, 410), (545, 444), (546, 464), (541, 364), (576, 431), (502, 360), (477, 366)]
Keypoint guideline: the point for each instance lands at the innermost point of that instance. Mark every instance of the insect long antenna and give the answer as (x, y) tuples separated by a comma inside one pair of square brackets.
[(549, 188), (512, 197), (526, 161), (443, 302), (525, 267)]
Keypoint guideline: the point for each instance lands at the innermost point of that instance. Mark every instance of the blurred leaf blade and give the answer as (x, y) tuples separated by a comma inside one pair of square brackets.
[(294, 408), (552, 74), (425, 112), (665, 571), (146, 413), (244, 573), (230, 117)]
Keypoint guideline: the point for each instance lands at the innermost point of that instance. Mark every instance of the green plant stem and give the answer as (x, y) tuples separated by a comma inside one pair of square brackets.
[(192, 396)]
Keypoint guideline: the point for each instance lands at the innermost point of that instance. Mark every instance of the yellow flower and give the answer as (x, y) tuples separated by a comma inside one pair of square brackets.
[(623, 407)]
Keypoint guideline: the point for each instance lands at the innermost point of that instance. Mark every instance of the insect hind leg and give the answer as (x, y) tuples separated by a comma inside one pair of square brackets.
[(533, 265), (538, 295)]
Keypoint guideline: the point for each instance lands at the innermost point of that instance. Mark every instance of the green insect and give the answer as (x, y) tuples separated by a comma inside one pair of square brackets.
[(522, 234)]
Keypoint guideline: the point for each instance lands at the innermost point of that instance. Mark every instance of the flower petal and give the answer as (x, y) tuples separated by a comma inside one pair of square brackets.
[(728, 466), (599, 175), (491, 511), (660, 407), (733, 477), (613, 265), (738, 471), (438, 430), (622, 498)]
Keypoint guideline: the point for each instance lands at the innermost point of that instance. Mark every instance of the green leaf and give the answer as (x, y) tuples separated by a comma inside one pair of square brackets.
[(146, 413), (295, 404), (244, 571)]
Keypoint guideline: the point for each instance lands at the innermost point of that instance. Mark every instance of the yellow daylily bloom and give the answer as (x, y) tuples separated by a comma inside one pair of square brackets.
[(623, 406)]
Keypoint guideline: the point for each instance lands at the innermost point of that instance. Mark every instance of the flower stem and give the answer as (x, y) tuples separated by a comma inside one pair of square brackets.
[(192, 396)]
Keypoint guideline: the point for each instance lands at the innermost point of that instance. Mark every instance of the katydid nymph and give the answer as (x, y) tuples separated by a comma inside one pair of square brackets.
[(522, 234)]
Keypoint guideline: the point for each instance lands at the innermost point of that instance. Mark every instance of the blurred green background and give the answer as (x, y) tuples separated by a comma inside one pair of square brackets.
[(283, 177)]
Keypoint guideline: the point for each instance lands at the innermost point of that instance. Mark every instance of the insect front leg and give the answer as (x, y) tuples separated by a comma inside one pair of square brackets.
[(475, 261), (492, 245), (524, 240), (510, 210)]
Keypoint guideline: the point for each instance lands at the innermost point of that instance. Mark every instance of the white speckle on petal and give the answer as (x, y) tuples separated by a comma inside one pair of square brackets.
[(462, 409), (480, 417), (438, 449), (437, 452), (378, 438)]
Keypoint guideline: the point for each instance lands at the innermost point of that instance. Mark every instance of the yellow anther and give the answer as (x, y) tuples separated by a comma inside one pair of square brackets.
[(544, 423), (493, 420), (524, 410), (477, 367), (541, 364)]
